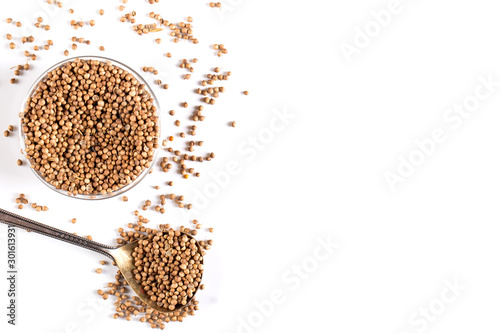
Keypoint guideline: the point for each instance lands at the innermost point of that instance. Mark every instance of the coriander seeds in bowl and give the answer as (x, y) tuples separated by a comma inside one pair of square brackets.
[(90, 128)]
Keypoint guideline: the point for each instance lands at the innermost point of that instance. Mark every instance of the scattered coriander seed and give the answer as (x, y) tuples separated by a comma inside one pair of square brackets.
[(124, 199), (9, 36), (12, 81), (92, 23), (19, 162), (165, 86), (71, 11), (18, 24), (233, 124), (98, 271), (101, 12), (73, 220), (101, 48), (12, 45), (9, 20), (66, 53)]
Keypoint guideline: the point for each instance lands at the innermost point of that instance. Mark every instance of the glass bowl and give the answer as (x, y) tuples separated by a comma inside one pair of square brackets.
[(122, 189)]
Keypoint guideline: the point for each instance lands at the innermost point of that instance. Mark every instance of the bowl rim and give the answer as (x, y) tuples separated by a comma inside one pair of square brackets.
[(35, 85)]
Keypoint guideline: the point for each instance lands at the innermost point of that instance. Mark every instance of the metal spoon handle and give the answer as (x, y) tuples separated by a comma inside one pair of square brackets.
[(30, 225)]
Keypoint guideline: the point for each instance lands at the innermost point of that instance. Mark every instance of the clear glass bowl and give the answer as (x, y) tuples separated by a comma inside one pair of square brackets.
[(121, 190)]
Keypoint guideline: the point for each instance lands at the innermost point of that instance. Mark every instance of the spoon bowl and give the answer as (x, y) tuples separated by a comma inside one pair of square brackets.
[(125, 262)]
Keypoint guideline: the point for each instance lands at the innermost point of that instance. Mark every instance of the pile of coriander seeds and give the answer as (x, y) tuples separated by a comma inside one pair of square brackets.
[(90, 128), (169, 267)]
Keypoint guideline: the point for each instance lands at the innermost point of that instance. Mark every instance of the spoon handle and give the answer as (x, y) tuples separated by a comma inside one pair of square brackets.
[(15, 220)]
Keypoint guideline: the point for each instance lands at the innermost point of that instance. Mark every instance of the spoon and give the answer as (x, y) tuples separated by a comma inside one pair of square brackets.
[(121, 255)]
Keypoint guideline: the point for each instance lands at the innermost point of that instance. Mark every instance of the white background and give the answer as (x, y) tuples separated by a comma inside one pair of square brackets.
[(320, 176)]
